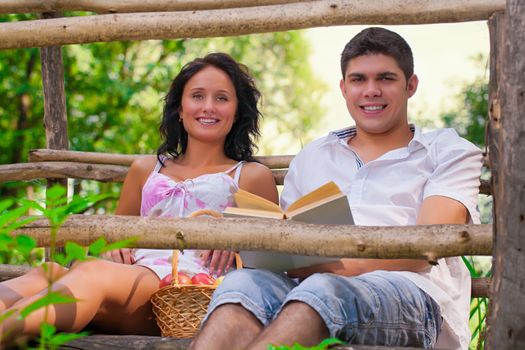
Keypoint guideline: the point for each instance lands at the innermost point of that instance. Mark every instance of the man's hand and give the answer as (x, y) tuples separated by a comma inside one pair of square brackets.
[(218, 261), (123, 256)]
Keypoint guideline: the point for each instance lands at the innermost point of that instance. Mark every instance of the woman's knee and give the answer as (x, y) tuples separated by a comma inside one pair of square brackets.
[(49, 270)]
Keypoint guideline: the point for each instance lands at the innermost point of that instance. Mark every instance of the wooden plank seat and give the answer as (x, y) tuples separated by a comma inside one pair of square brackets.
[(107, 167)]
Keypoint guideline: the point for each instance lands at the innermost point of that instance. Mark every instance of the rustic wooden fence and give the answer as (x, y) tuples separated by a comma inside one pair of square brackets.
[(163, 19)]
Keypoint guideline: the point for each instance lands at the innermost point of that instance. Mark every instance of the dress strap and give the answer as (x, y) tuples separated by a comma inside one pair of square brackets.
[(159, 164), (237, 167)]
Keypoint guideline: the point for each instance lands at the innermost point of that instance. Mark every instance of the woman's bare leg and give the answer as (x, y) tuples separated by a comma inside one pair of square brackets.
[(109, 294), (37, 279)]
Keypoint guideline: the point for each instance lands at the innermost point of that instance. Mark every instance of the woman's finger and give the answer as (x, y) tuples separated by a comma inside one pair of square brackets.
[(215, 259), (225, 262)]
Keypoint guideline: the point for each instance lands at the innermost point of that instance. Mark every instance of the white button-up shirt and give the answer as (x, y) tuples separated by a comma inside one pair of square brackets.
[(389, 191)]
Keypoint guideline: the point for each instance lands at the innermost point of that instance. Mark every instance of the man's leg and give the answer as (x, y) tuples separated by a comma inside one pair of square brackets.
[(296, 323), (378, 308), (243, 304)]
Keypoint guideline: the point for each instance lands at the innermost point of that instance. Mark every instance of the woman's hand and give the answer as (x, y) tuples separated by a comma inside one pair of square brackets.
[(123, 256), (217, 261)]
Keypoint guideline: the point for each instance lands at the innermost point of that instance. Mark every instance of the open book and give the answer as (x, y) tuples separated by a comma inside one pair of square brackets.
[(324, 205)]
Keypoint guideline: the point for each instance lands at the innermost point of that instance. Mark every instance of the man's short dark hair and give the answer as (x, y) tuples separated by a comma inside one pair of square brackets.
[(375, 40)]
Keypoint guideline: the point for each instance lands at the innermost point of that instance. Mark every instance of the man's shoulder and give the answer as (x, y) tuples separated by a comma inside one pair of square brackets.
[(445, 138)]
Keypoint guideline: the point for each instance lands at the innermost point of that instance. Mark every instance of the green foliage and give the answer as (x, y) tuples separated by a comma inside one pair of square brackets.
[(50, 339), (57, 209), (325, 344), (478, 267), (470, 115), (114, 94)]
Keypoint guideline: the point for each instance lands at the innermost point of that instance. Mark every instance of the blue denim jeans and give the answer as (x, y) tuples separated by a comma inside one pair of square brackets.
[(376, 308)]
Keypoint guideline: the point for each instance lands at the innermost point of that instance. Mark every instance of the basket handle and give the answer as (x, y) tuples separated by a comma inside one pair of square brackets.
[(175, 256)]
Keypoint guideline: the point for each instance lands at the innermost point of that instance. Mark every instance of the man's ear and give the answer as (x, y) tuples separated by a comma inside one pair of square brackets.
[(412, 85), (342, 87)]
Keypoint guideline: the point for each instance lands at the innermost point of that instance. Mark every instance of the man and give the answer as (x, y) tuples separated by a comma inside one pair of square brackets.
[(393, 174)]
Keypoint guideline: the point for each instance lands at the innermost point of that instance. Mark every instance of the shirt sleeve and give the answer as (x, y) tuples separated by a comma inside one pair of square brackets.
[(292, 186), (456, 172)]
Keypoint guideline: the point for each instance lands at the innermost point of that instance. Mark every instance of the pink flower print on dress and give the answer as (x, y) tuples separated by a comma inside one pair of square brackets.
[(200, 204), (162, 261)]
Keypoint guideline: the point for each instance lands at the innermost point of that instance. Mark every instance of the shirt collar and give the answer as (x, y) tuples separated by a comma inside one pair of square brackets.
[(343, 135)]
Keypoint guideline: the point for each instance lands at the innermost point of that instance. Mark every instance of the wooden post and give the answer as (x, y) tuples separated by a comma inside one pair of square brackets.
[(507, 314), (55, 118)]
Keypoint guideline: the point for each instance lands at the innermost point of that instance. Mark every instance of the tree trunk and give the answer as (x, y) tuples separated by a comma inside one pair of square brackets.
[(507, 314)]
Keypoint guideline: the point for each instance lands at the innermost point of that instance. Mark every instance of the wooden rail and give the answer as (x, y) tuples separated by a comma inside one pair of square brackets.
[(123, 6), (249, 20), (420, 242), (104, 172)]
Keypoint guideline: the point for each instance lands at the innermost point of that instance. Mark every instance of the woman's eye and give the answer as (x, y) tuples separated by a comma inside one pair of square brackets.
[(197, 96), (222, 98)]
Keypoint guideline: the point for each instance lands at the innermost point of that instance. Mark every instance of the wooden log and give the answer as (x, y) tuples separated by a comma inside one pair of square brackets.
[(62, 170), (43, 155), (65, 170), (428, 242), (480, 286), (55, 118), (228, 22), (116, 342), (507, 314), (105, 172), (11, 271), (123, 6)]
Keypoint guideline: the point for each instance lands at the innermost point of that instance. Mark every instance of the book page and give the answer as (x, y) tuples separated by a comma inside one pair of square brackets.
[(251, 213), (326, 190), (334, 210), (281, 262), (245, 199)]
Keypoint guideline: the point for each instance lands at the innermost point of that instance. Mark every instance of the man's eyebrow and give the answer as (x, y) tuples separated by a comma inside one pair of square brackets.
[(387, 75), (355, 75)]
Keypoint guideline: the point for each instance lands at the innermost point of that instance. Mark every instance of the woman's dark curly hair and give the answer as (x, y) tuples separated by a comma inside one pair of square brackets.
[(239, 144)]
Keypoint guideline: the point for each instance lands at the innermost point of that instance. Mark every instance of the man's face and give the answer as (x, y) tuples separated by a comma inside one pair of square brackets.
[(376, 93)]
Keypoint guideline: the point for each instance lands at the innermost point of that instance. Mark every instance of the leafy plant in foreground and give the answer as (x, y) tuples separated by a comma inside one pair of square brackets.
[(56, 210)]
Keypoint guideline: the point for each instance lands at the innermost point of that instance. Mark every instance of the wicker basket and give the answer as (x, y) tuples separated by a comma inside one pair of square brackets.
[(180, 308)]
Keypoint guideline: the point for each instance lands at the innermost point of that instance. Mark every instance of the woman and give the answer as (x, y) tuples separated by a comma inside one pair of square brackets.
[(209, 122)]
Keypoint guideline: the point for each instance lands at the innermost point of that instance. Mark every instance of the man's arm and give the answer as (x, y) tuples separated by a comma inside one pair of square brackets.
[(434, 210)]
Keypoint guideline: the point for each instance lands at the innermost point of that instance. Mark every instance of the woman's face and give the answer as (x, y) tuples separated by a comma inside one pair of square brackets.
[(209, 105)]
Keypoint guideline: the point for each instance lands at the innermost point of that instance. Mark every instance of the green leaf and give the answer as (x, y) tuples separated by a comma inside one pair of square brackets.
[(125, 243), (75, 251), (63, 338), (328, 342), (11, 216), (47, 330), (95, 248), (61, 259), (48, 299), (5, 203), (6, 315), (25, 244)]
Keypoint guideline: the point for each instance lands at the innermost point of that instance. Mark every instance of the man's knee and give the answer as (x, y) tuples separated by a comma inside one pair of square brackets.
[(260, 292)]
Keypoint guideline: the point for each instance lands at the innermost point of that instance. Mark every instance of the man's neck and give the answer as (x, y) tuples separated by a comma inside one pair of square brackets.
[(372, 146)]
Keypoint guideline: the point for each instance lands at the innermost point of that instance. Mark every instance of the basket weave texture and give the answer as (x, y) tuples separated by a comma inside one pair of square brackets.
[(180, 308)]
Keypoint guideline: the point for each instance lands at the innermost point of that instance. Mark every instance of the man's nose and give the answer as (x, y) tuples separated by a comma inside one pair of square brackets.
[(372, 89)]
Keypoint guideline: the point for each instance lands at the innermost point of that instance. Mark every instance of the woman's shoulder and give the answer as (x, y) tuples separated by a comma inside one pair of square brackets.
[(258, 179), (143, 166), (256, 170)]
